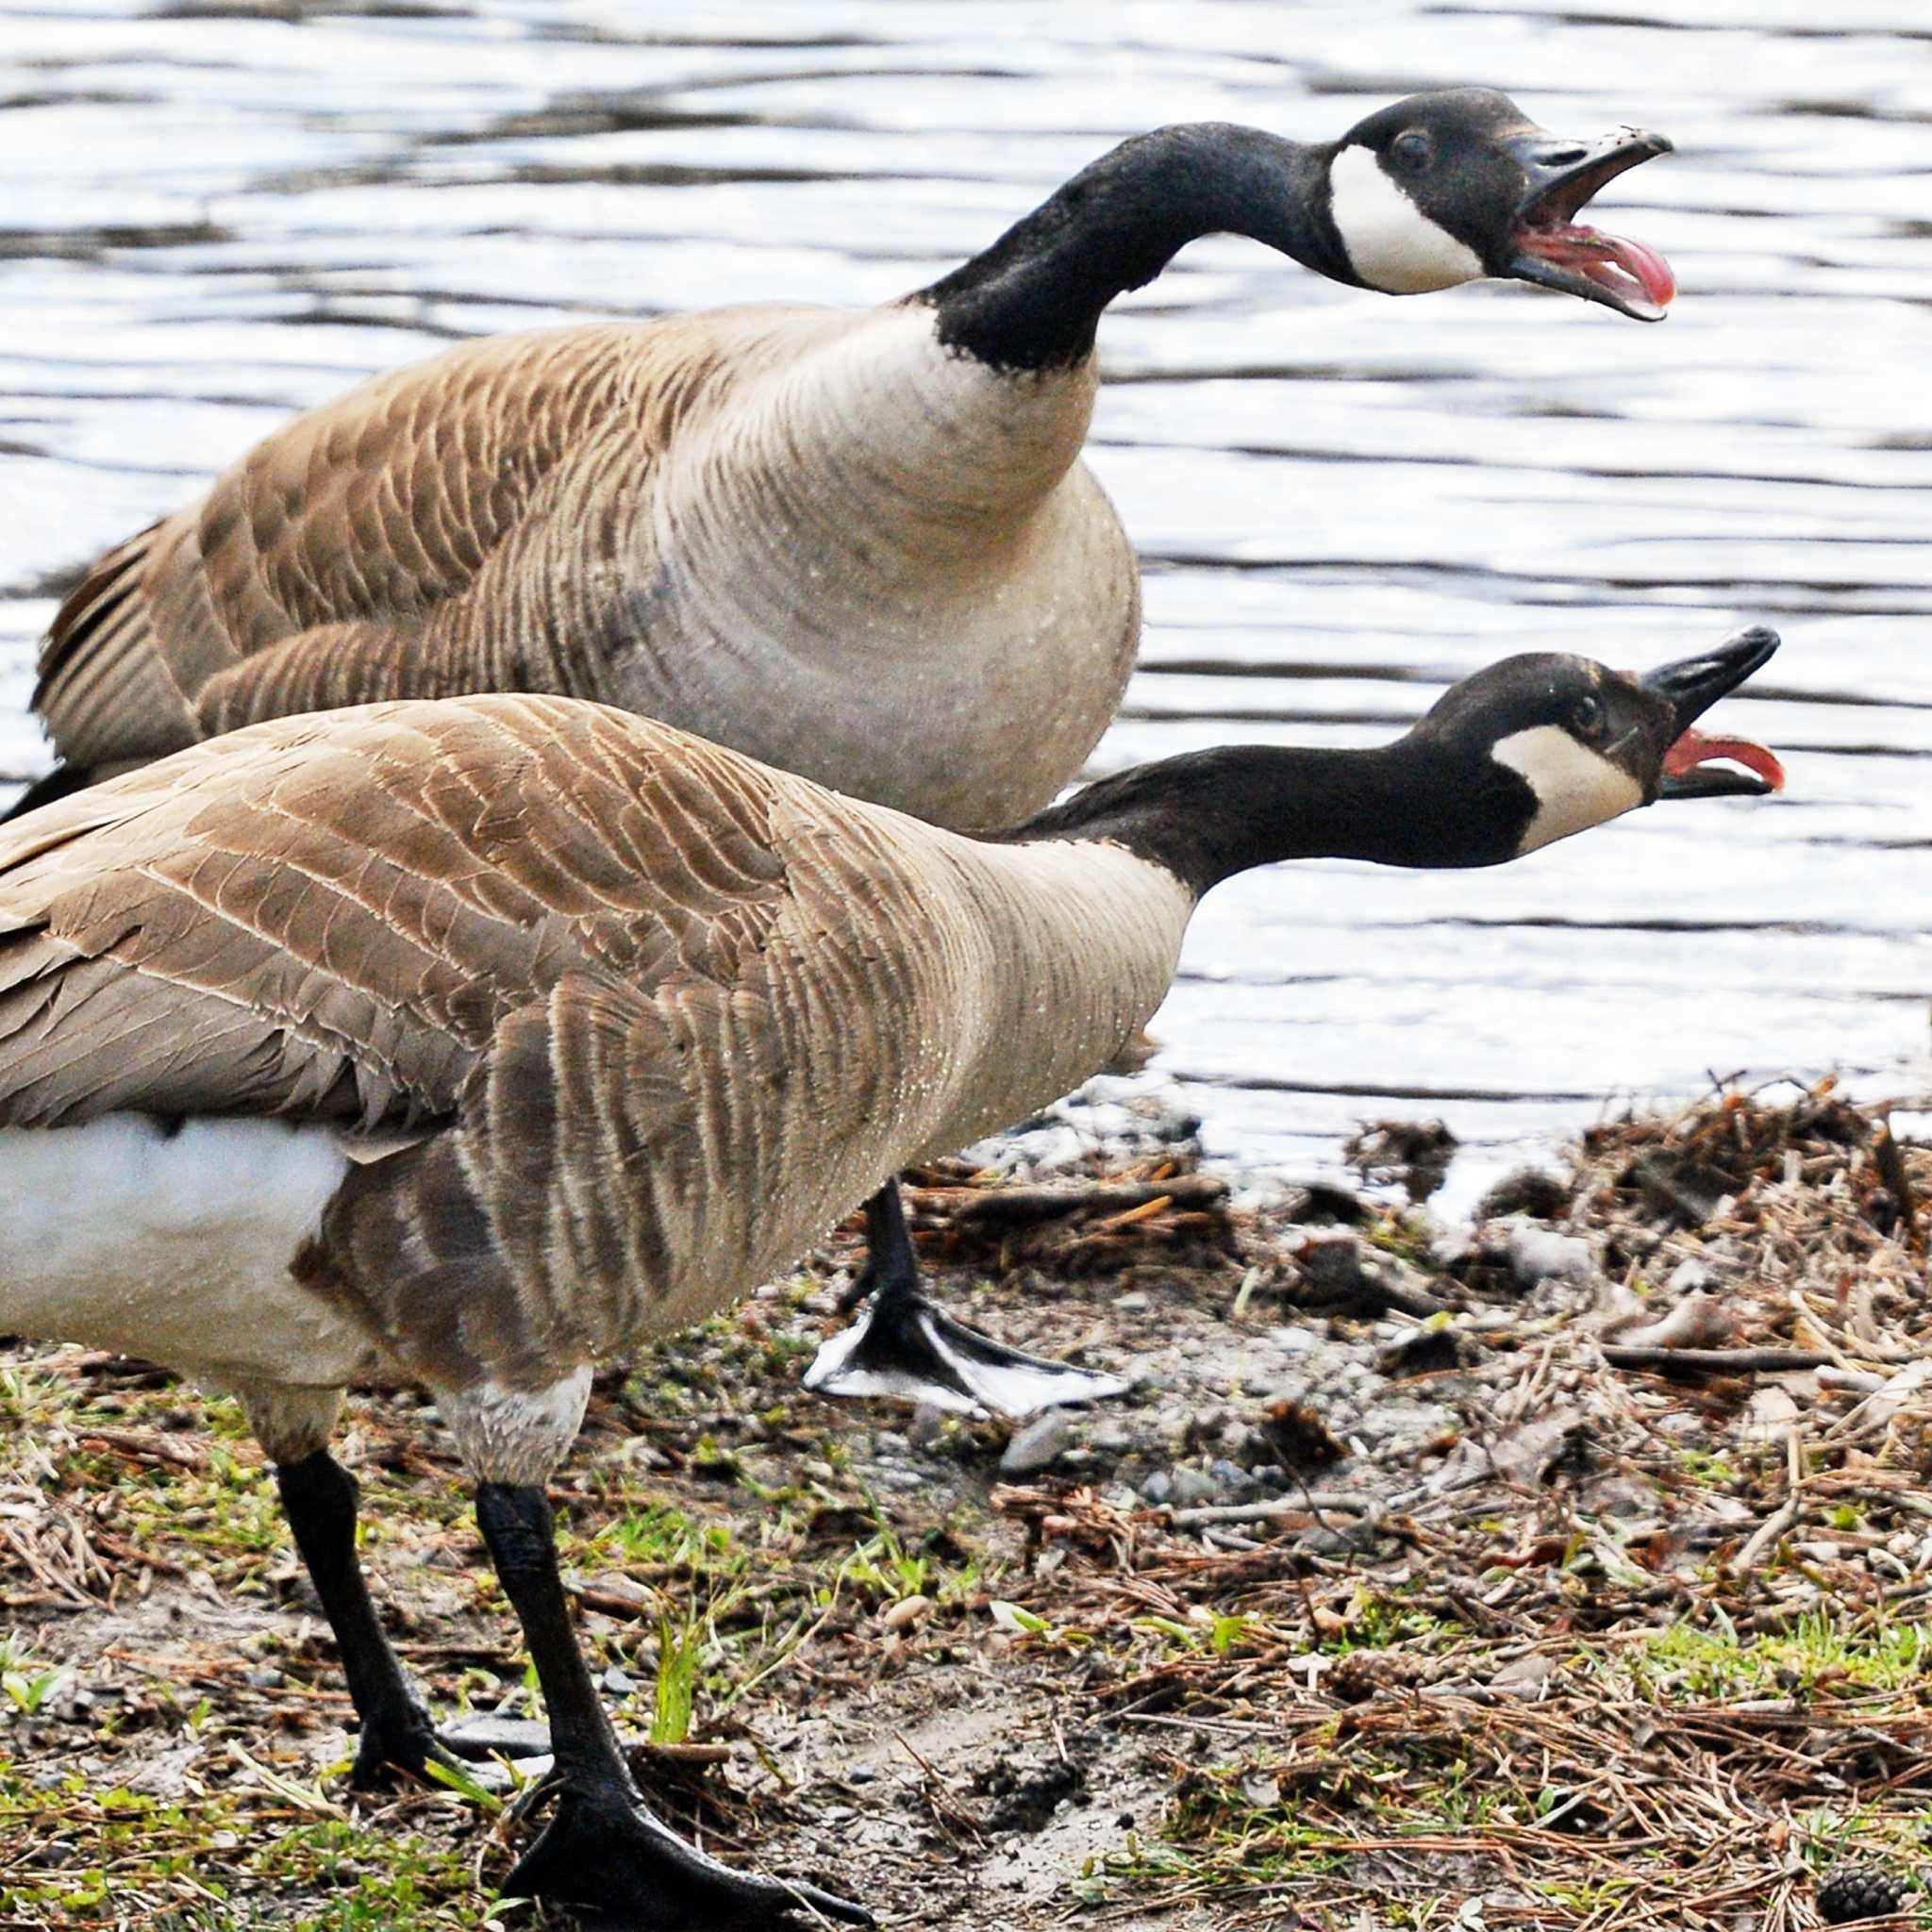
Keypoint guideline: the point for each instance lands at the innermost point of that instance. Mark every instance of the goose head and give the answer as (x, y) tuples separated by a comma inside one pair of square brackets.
[(1530, 750), (1547, 745), (1452, 186)]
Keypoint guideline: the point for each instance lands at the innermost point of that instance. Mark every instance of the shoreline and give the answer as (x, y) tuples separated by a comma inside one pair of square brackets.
[(1576, 1557)]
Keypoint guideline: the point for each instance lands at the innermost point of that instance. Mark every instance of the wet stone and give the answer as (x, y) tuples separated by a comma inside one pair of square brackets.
[(1540, 1254), (1038, 1445), (486, 1732), (1196, 1487)]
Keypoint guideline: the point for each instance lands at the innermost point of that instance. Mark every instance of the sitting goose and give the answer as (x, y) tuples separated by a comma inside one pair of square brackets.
[(471, 1040), (860, 546)]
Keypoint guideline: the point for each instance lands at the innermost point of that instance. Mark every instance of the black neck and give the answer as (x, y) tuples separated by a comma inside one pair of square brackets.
[(1034, 299), (1208, 815)]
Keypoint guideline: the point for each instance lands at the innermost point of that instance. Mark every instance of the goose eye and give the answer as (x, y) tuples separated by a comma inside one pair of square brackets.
[(1412, 152), (1586, 717)]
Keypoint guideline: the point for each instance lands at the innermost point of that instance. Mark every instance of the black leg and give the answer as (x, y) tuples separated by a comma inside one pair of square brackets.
[(319, 1497), (602, 1848), (902, 1345), (891, 1266)]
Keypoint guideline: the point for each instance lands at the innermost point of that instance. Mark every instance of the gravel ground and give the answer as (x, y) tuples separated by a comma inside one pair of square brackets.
[(1567, 1569)]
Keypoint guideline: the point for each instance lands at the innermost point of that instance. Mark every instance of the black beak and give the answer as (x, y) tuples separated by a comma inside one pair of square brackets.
[(1692, 685), (1559, 178)]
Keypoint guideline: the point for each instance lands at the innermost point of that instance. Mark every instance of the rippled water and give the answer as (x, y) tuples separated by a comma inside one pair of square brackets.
[(218, 215)]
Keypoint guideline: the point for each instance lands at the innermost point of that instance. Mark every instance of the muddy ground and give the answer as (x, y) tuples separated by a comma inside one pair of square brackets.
[(1568, 1570)]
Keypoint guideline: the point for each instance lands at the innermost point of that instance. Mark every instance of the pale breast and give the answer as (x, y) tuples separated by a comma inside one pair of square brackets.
[(883, 567)]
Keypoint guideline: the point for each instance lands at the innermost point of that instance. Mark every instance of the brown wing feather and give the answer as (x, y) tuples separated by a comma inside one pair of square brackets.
[(330, 917), (104, 689), (332, 564), (524, 1241)]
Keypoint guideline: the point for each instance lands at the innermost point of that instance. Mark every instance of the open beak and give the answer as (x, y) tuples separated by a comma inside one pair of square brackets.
[(1554, 250), (1692, 685)]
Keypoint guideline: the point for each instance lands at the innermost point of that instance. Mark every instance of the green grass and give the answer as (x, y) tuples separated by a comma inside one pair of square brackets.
[(218, 1861), (25, 1682), (1819, 1652), (680, 1651)]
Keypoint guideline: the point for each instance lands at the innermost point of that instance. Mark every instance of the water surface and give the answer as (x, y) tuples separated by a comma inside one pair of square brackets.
[(218, 215)]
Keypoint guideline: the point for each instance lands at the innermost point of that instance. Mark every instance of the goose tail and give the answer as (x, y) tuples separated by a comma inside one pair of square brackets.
[(61, 782)]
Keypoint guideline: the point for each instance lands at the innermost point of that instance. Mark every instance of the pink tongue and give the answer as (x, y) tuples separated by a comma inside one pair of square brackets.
[(1647, 265), (1692, 749), (1589, 250)]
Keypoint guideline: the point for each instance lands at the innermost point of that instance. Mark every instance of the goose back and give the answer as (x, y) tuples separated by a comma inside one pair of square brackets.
[(640, 1017), (815, 535)]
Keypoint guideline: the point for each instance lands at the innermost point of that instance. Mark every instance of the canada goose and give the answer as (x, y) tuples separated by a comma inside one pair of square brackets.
[(470, 1040), (860, 546)]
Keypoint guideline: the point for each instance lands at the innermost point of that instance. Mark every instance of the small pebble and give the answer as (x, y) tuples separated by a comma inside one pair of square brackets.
[(1540, 1254), (616, 1588), (1038, 1445), (1193, 1487), (1524, 1676), (908, 1613)]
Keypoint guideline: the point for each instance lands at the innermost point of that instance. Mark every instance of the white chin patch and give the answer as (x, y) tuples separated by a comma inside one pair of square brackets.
[(1575, 788), (1391, 245)]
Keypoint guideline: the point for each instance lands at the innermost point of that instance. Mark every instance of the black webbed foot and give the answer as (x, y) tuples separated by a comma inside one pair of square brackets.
[(602, 1851), (389, 1754), (903, 1344), (397, 1749), (614, 1860)]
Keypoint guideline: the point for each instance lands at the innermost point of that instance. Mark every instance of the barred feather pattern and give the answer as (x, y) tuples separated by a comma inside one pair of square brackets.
[(812, 534), (647, 1016)]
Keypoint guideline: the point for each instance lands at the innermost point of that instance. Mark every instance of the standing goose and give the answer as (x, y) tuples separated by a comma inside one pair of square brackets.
[(859, 546), (470, 1042)]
